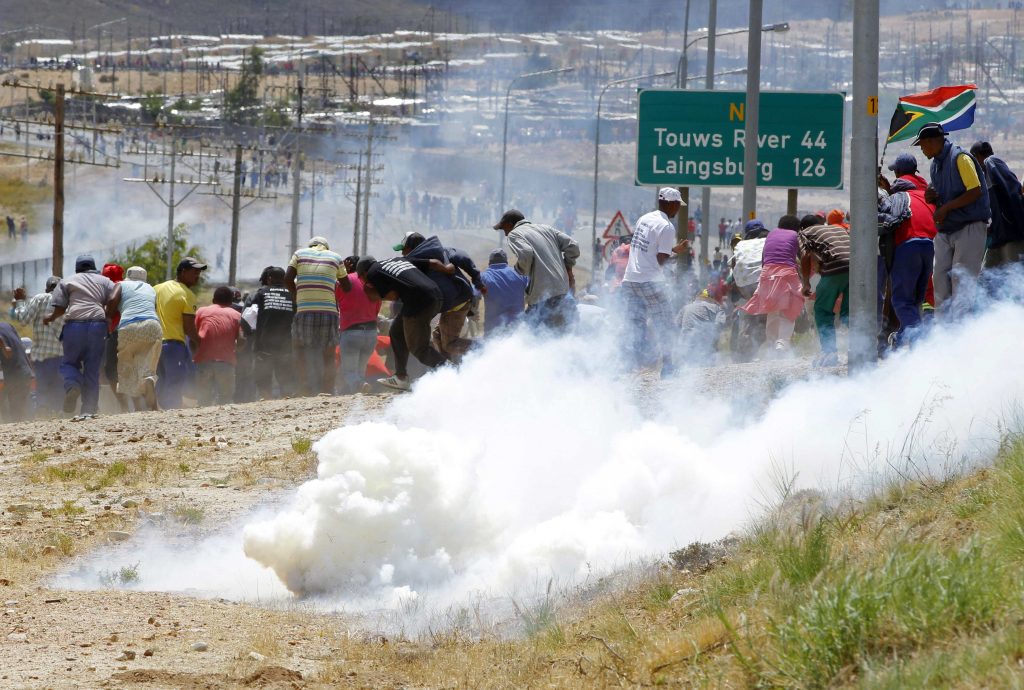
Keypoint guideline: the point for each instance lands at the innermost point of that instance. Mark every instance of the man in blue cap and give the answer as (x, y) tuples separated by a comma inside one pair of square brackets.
[(908, 248), (82, 300), (506, 293), (961, 215)]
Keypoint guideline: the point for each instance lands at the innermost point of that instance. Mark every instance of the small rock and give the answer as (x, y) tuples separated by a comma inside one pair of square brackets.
[(148, 652), (256, 656), (113, 637), (152, 619), (18, 637), (11, 602), (47, 550), (684, 592), (199, 647), (129, 503), (117, 535), (126, 655)]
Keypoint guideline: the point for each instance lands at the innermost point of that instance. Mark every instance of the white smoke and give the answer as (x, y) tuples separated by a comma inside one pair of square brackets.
[(536, 460)]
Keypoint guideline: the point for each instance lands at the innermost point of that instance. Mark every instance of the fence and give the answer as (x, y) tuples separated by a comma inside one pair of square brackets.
[(31, 274)]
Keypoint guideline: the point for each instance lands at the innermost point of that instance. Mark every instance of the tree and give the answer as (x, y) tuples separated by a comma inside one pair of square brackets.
[(241, 103), (152, 254)]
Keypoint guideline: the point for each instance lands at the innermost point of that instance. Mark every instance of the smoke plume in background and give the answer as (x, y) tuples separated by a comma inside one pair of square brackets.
[(536, 461)]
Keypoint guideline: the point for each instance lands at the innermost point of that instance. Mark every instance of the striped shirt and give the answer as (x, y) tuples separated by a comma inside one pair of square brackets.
[(830, 244), (316, 272), (45, 339)]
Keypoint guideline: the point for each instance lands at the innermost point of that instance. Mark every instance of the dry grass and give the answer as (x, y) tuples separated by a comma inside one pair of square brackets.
[(18, 197), (142, 470), (917, 587)]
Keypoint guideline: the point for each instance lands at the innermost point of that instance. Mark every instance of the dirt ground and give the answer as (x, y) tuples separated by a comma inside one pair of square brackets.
[(67, 487)]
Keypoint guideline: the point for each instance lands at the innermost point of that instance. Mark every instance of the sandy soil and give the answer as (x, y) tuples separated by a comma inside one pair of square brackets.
[(197, 465)]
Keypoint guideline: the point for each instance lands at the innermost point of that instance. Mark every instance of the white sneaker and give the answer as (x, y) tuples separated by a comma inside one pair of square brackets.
[(149, 392), (396, 383)]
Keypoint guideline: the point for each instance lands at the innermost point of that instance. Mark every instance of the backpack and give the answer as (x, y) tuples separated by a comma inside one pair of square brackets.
[(747, 262)]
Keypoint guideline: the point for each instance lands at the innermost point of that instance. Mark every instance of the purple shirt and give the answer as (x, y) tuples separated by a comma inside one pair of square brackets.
[(781, 248)]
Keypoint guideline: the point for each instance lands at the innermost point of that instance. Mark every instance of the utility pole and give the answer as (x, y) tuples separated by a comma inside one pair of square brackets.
[(359, 199), (752, 110), (236, 209), (58, 182), (709, 84), (171, 202), (296, 171), (59, 156), (367, 188), (170, 210), (864, 187)]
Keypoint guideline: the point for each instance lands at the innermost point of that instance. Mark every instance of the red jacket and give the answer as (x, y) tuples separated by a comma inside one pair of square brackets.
[(921, 224)]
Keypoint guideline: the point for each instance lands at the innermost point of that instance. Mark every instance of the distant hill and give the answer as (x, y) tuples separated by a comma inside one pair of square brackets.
[(62, 19)]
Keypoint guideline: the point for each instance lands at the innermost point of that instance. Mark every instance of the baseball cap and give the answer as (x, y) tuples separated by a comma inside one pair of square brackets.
[(498, 256), (510, 216), (191, 262), (670, 194), (932, 130), (405, 240), (904, 164), (51, 282)]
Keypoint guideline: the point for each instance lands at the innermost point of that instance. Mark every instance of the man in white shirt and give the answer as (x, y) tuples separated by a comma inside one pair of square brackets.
[(643, 285)]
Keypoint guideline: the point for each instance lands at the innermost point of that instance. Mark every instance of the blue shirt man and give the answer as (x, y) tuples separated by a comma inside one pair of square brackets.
[(506, 292)]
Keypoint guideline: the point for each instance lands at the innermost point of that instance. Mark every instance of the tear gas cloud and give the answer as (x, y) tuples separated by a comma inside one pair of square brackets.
[(536, 461)]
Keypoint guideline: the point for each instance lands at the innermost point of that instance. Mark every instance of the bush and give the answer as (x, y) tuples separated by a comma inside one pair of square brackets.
[(152, 254)]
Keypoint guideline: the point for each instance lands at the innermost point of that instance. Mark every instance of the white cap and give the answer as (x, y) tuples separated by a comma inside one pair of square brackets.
[(670, 194)]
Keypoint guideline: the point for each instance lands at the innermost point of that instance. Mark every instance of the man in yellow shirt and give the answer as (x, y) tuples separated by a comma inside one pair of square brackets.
[(176, 308), (961, 215)]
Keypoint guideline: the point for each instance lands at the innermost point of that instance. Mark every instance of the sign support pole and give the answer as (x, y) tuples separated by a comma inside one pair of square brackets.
[(863, 188), (752, 110), (791, 201)]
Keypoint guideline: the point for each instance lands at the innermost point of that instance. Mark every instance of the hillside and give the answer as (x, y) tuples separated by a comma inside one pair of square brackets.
[(308, 17)]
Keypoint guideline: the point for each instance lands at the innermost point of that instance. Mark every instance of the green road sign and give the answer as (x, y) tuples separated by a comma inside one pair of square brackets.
[(696, 139)]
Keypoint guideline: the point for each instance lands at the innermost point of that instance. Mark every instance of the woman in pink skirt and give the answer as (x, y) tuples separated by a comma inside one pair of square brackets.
[(779, 293)]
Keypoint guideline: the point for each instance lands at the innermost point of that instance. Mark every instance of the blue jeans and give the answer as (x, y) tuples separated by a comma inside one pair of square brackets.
[(911, 270), (84, 342), (357, 345), (174, 372), (556, 313), (49, 384)]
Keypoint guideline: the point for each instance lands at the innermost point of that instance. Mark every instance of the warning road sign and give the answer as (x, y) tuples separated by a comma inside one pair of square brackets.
[(617, 228)]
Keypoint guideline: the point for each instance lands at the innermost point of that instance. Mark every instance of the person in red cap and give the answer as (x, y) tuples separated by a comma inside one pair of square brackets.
[(116, 275)]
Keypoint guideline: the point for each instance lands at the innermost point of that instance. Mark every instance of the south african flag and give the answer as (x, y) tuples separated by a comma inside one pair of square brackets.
[(950, 106)]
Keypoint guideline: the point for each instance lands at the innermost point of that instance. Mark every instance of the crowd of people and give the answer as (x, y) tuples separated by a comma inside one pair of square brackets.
[(313, 327), (937, 240), (317, 326)]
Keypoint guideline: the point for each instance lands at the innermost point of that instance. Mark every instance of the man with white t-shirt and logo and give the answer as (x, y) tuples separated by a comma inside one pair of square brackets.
[(643, 284)]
